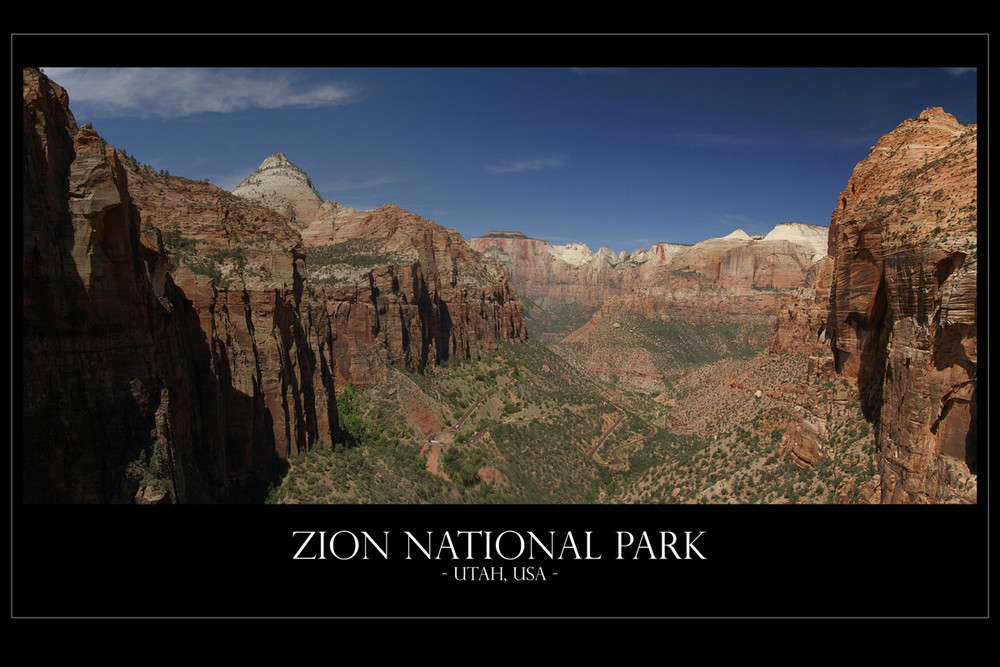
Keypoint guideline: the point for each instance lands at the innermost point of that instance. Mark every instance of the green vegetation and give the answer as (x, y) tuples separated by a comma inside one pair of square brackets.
[(364, 253), (153, 466), (531, 423), (554, 318)]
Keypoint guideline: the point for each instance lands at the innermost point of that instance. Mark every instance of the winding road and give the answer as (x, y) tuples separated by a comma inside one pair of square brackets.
[(614, 456)]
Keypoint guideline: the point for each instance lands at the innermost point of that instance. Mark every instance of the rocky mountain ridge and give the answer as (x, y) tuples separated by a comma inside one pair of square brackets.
[(719, 279), (176, 348), (655, 311), (396, 288)]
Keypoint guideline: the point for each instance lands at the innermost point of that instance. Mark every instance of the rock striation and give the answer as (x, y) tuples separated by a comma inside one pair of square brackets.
[(895, 308), (396, 288), (167, 353), (714, 280), (903, 304), (571, 273), (283, 187), (733, 279)]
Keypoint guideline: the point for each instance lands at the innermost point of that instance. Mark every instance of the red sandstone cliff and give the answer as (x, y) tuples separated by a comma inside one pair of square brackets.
[(570, 273), (903, 303), (185, 372), (899, 314), (728, 279), (394, 287), (176, 348)]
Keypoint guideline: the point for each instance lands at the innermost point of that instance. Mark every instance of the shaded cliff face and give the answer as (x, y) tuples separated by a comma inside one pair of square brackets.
[(903, 304), (398, 289), (167, 353)]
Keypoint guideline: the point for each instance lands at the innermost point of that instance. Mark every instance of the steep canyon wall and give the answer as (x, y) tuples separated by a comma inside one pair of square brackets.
[(897, 312), (396, 288), (182, 342), (157, 366)]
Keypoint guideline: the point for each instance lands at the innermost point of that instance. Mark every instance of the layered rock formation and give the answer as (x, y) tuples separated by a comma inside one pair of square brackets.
[(283, 187), (733, 279), (570, 273), (562, 285), (176, 348), (396, 289), (899, 313), (168, 356), (722, 279), (903, 303)]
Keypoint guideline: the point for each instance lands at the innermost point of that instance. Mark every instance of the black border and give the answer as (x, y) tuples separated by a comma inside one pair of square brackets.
[(762, 562)]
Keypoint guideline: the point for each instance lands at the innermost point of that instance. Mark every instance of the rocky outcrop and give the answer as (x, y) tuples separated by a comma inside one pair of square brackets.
[(241, 267), (785, 258), (894, 310), (398, 289), (801, 326), (903, 304), (167, 352)]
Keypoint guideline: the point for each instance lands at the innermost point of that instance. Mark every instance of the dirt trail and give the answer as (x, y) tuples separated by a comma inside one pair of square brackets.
[(433, 437), (434, 460), (614, 452), (621, 416), (614, 456)]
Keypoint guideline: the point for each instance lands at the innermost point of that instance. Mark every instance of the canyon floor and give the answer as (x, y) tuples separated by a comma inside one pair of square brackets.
[(687, 414)]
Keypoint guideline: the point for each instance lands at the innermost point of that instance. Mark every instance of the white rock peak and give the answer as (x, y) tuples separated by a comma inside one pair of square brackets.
[(283, 187), (276, 160), (277, 174), (575, 254), (798, 232)]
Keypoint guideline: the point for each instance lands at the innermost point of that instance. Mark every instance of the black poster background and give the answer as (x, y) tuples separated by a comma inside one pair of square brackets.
[(760, 562), (237, 561)]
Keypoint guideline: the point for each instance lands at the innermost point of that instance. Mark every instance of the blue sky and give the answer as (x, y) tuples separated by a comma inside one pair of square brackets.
[(624, 157)]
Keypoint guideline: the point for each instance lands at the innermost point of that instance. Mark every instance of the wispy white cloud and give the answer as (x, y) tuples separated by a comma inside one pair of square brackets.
[(525, 165), (177, 92), (959, 71), (361, 185)]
